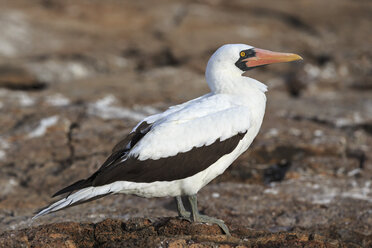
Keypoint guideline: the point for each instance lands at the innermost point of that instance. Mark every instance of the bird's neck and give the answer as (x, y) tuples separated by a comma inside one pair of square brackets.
[(234, 83)]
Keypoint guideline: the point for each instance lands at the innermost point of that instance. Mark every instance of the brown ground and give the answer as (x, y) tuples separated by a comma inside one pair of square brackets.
[(75, 76)]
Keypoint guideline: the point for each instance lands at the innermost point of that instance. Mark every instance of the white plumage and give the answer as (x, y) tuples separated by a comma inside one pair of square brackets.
[(202, 122), (235, 105)]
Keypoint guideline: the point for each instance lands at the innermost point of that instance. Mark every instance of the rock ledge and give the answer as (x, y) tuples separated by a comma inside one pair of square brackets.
[(164, 232)]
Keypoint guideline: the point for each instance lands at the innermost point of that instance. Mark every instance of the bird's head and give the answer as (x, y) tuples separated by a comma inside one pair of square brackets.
[(230, 61)]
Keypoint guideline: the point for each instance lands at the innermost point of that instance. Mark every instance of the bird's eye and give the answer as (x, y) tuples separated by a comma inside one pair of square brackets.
[(242, 54)]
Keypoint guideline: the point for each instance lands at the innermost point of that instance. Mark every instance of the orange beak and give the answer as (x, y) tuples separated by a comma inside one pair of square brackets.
[(264, 57)]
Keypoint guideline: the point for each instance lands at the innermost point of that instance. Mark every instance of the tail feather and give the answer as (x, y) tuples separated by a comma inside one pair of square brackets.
[(75, 186), (79, 197)]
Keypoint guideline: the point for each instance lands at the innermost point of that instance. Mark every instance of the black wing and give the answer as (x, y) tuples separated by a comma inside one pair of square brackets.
[(182, 165), (119, 151)]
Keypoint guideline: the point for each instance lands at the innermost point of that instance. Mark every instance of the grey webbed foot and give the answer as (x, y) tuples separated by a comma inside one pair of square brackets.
[(197, 217)]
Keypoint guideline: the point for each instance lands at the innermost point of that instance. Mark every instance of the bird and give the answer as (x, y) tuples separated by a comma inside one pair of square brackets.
[(177, 152)]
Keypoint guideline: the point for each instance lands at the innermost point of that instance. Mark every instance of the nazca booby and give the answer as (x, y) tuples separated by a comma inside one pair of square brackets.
[(179, 151)]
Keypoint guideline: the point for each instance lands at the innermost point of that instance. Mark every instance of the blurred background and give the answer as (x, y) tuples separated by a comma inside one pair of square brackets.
[(76, 76)]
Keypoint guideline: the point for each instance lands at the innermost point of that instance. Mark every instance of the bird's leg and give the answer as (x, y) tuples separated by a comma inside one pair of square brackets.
[(197, 217), (181, 209)]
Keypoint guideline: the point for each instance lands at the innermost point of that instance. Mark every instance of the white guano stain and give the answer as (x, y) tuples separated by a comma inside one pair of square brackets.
[(59, 70), (21, 98), (15, 33), (216, 195), (10, 186), (271, 191), (25, 100), (357, 192), (4, 144), (106, 109), (57, 100), (43, 126)]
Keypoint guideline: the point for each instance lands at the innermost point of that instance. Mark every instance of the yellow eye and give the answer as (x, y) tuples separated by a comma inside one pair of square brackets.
[(242, 54)]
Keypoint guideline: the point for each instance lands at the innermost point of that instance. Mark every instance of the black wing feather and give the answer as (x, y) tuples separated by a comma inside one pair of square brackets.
[(177, 167), (119, 151), (180, 166)]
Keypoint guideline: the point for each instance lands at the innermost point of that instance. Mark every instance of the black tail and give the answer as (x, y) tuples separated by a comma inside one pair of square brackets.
[(75, 186)]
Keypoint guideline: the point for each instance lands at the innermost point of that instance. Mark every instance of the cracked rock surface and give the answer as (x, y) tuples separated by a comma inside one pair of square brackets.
[(76, 76), (165, 232)]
